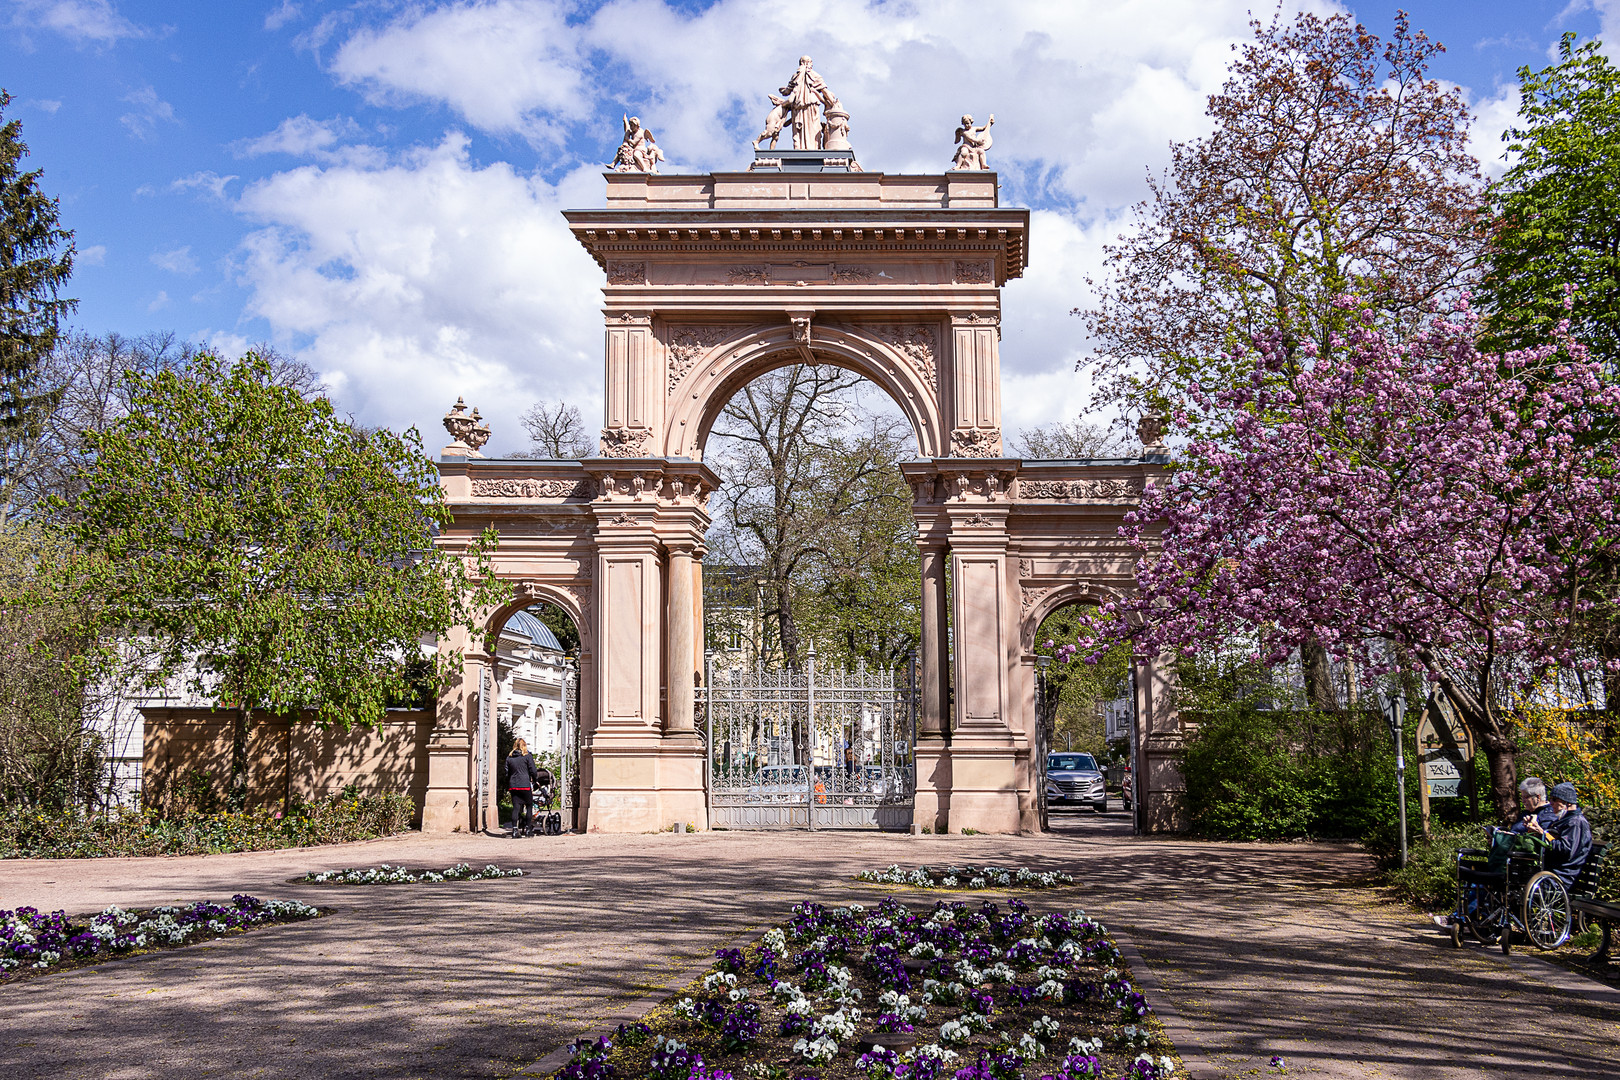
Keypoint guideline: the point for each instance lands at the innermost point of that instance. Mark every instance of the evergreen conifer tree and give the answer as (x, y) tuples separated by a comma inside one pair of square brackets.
[(36, 260)]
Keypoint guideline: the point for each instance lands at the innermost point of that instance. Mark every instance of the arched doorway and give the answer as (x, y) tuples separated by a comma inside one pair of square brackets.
[(531, 693)]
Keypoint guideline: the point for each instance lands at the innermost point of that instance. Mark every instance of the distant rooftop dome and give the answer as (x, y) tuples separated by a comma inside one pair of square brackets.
[(523, 624)]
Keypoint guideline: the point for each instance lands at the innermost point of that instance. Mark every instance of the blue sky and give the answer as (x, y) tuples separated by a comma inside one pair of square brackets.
[(374, 186)]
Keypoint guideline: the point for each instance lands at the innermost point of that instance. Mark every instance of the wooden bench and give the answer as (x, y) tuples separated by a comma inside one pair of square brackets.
[(1583, 899)]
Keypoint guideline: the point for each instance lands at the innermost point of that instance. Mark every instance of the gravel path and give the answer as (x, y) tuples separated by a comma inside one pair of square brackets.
[(1260, 949)]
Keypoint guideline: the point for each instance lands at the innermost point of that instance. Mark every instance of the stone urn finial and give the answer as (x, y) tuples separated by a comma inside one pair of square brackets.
[(458, 423), (1150, 429), (478, 434)]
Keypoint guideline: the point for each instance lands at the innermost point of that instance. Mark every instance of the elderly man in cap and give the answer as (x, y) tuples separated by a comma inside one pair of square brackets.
[(1569, 839)]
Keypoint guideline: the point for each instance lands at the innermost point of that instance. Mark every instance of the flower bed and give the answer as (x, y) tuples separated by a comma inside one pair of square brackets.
[(35, 834), (32, 943), (967, 877), (398, 875), (954, 993)]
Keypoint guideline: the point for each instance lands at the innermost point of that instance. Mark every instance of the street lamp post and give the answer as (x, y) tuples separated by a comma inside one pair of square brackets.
[(1394, 710)]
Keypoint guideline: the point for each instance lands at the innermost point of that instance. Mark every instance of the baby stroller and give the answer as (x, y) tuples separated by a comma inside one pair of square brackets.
[(545, 824)]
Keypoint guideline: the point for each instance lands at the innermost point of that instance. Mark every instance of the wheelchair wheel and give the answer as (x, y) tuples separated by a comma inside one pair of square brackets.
[(1546, 911)]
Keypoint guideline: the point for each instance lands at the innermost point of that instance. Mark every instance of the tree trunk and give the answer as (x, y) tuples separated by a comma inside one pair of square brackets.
[(1313, 664), (238, 793), (1499, 753)]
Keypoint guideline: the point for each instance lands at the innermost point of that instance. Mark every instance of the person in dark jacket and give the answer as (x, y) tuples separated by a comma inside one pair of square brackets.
[(521, 775), (1569, 840)]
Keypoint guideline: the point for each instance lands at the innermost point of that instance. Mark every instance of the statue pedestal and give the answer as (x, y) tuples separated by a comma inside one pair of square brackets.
[(644, 783)]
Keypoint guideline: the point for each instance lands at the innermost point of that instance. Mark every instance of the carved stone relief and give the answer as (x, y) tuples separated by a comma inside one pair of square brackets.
[(687, 344), (916, 343), (747, 275), (625, 442), (622, 272), (978, 521), (1116, 488), (976, 442), (531, 489), (852, 275), (1026, 568), (974, 273)]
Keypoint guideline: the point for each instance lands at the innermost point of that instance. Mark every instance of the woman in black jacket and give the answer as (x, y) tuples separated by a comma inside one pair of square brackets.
[(521, 774)]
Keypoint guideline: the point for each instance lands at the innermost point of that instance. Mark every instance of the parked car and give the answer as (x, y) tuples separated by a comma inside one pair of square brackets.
[(1073, 779)]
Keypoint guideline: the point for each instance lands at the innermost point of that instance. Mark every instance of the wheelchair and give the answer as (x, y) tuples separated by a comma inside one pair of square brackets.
[(1523, 897)]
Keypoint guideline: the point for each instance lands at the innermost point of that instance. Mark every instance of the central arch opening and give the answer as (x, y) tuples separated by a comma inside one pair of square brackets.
[(812, 588)]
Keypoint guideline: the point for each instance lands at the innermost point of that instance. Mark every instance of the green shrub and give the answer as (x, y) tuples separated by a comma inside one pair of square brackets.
[(1268, 774), (38, 834), (1429, 878)]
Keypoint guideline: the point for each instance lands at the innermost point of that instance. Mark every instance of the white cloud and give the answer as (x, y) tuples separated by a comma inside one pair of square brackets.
[(302, 136), (1493, 116), (94, 255), (208, 182), (500, 64), (150, 110), (410, 283), (281, 16), (176, 260), (161, 300), (95, 22)]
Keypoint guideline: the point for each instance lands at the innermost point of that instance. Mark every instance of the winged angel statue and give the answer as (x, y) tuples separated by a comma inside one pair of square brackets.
[(639, 151)]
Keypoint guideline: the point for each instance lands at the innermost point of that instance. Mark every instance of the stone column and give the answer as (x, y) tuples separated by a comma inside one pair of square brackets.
[(976, 386), (989, 755), (447, 804), (935, 634), (633, 405), (679, 662)]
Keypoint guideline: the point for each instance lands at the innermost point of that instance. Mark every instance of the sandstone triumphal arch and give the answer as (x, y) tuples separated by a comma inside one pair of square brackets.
[(712, 280)]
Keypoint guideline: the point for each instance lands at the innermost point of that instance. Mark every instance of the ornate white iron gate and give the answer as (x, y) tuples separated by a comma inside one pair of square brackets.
[(809, 749), (568, 751)]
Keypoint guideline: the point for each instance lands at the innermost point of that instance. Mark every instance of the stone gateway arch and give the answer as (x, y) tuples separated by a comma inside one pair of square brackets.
[(710, 281)]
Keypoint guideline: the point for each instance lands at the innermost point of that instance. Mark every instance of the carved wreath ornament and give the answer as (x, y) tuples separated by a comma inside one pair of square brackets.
[(531, 489), (1117, 488)]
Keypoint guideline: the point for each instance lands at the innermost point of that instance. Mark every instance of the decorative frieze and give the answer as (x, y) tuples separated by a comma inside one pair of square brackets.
[(852, 275), (1114, 488), (747, 275), (506, 488)]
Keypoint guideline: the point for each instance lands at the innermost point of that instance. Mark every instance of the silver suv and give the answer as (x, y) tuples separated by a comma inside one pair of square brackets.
[(1072, 779)]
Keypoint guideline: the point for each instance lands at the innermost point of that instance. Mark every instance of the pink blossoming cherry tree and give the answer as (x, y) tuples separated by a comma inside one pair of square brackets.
[(1410, 503)]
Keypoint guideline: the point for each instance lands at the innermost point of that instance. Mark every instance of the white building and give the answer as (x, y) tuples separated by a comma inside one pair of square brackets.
[(532, 673)]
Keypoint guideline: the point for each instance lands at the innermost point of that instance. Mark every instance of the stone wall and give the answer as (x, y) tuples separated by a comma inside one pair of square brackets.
[(300, 760)]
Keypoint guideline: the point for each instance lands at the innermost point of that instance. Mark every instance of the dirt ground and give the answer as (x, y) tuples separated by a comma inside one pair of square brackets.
[(1246, 950)]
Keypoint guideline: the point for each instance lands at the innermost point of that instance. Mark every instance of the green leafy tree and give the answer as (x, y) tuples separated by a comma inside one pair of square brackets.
[(279, 553), (1557, 209), (36, 260), (1555, 250), (48, 758)]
